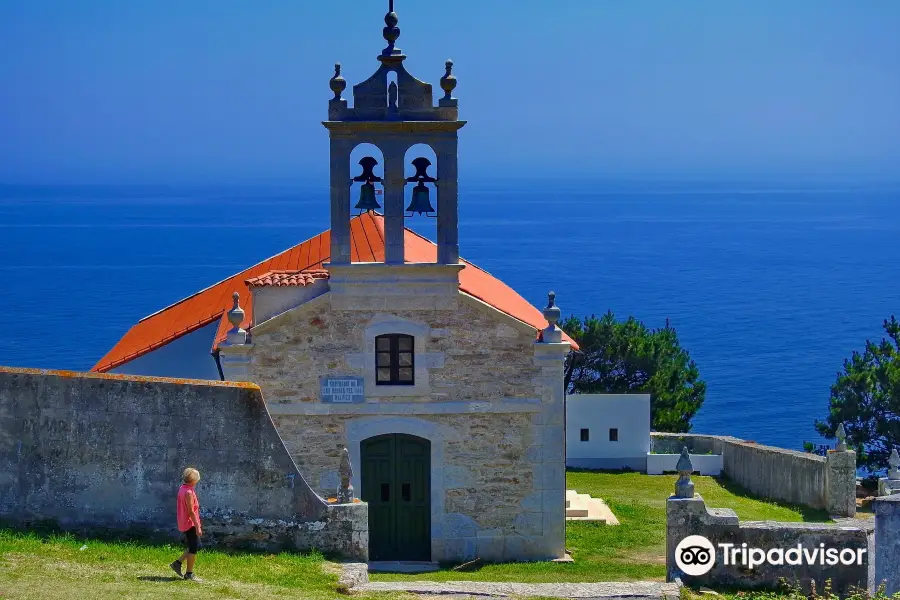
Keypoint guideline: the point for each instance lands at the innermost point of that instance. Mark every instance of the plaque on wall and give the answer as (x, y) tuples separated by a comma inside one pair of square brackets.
[(341, 389)]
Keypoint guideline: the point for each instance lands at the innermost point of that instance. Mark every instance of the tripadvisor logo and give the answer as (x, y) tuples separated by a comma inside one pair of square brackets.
[(695, 555)]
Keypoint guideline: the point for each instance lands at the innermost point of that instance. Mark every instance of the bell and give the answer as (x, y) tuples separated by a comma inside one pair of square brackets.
[(420, 203), (367, 199)]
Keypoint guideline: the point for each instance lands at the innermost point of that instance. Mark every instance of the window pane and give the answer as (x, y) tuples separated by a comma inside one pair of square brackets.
[(384, 359), (383, 343), (405, 343), (613, 434), (585, 435), (384, 374), (405, 359), (405, 374)]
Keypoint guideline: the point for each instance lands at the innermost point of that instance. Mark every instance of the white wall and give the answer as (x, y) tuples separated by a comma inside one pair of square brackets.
[(598, 413), (186, 357)]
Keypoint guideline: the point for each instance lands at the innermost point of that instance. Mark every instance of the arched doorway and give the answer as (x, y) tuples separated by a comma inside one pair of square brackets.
[(396, 483)]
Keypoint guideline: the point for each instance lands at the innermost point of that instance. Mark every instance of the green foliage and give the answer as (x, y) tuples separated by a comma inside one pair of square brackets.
[(866, 399), (627, 357), (793, 591)]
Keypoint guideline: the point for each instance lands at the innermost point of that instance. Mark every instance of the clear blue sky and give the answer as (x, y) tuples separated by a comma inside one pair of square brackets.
[(178, 91)]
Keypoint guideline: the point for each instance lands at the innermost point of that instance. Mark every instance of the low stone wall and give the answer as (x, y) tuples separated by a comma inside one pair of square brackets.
[(776, 473), (95, 453), (705, 464), (690, 517)]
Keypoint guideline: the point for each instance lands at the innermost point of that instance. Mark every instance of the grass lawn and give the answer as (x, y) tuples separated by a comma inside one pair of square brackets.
[(38, 567), (636, 548)]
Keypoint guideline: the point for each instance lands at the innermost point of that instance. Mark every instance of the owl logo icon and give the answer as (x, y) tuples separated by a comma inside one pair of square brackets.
[(695, 555)]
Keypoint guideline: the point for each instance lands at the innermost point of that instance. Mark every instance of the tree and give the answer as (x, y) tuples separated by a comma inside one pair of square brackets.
[(866, 399), (626, 357)]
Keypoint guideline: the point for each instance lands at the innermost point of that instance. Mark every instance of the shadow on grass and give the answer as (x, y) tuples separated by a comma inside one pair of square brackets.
[(809, 514), (608, 471), (158, 579), (45, 530)]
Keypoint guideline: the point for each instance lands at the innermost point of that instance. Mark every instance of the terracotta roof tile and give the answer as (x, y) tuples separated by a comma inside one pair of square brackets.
[(287, 278), (367, 245)]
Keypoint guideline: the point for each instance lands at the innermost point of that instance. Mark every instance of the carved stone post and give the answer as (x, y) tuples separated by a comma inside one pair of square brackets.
[(840, 478), (234, 352), (345, 491), (684, 487)]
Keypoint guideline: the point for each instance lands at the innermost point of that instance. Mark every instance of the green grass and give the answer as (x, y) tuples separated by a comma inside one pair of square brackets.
[(55, 566), (633, 550)]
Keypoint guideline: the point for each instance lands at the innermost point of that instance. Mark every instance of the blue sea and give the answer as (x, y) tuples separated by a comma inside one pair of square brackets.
[(769, 287)]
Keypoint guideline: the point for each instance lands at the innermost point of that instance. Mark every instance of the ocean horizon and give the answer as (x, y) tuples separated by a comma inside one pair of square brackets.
[(770, 287)]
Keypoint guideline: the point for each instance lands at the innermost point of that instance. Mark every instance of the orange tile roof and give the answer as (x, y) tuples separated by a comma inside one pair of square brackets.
[(367, 245), (282, 277)]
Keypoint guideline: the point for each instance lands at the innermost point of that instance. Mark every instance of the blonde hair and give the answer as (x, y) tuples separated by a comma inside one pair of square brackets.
[(191, 475)]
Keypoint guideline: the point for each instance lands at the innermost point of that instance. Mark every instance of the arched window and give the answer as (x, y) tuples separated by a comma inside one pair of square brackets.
[(394, 359)]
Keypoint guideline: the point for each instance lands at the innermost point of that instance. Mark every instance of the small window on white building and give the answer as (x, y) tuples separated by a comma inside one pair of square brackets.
[(585, 435), (613, 434)]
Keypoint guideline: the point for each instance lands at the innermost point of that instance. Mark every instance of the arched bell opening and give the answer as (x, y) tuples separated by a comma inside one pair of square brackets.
[(367, 173), (420, 191)]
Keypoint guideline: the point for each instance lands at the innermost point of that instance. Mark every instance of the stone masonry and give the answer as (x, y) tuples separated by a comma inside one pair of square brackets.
[(482, 400)]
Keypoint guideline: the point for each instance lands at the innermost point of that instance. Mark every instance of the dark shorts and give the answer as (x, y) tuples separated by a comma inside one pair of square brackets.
[(192, 540)]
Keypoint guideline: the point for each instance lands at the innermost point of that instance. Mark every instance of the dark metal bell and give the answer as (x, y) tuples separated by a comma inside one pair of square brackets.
[(367, 199), (420, 203)]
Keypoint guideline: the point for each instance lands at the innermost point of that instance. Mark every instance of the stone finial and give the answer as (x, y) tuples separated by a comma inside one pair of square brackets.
[(552, 334), (684, 487), (448, 81), (345, 491), (337, 83), (552, 312), (391, 32), (236, 335), (841, 435), (894, 464)]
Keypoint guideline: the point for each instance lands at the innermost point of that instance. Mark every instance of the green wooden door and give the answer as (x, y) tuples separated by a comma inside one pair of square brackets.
[(396, 483)]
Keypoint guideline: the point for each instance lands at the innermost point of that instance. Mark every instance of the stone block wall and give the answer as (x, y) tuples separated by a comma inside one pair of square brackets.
[(468, 354), (95, 452), (690, 516), (776, 473)]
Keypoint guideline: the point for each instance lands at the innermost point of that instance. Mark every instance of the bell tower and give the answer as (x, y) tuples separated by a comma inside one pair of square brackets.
[(394, 111)]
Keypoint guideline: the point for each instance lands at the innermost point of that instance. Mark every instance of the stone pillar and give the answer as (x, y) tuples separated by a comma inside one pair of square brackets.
[(887, 542), (394, 182), (234, 353), (840, 478), (891, 484), (340, 200), (550, 475), (448, 201)]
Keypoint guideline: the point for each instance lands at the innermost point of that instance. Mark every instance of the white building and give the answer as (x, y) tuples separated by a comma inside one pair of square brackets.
[(608, 431)]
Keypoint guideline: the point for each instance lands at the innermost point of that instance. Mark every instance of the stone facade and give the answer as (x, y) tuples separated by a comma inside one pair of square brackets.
[(488, 397)]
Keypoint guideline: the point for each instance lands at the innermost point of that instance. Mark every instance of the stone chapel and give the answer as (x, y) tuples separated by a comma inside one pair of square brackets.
[(443, 383)]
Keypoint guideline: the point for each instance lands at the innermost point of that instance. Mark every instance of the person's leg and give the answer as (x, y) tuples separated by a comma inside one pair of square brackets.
[(193, 546)]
